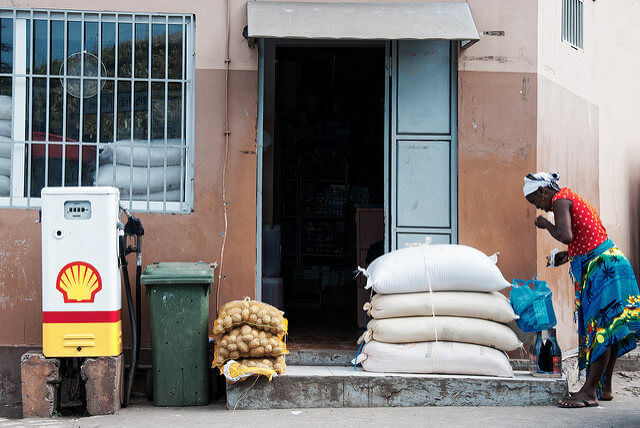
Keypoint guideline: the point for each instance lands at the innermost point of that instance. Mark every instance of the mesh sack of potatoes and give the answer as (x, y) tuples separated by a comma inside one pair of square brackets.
[(239, 370), (247, 342), (250, 312)]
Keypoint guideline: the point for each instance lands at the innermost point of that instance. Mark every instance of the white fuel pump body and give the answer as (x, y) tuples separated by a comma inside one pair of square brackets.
[(81, 291)]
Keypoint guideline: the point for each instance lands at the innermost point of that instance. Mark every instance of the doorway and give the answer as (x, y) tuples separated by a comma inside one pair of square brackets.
[(323, 181), (359, 158)]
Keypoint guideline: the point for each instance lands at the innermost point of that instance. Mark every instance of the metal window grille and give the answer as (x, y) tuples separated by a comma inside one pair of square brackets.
[(572, 22), (97, 98)]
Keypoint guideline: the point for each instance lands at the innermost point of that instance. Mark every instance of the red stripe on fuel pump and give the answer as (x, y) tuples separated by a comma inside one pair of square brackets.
[(80, 317)]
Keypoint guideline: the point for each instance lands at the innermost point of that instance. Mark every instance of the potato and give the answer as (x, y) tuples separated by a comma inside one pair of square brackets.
[(246, 329), (236, 318), (253, 318), (232, 338), (245, 313), (224, 343), (262, 335), (232, 347), (255, 343), (234, 355), (266, 319), (227, 322), (268, 349), (246, 338), (223, 352), (254, 309), (243, 348)]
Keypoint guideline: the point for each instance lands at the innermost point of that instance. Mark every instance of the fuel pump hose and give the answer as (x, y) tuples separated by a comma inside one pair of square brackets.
[(132, 317)]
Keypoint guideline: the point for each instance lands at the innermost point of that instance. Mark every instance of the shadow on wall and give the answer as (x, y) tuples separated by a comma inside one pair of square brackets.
[(633, 252)]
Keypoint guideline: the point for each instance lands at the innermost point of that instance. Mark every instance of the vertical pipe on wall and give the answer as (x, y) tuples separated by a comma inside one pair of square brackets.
[(227, 133)]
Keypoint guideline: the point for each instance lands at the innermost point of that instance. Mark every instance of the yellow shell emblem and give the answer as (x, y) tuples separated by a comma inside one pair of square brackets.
[(79, 282)]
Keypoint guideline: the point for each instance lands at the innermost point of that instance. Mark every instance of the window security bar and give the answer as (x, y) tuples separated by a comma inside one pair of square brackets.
[(572, 22), (92, 98)]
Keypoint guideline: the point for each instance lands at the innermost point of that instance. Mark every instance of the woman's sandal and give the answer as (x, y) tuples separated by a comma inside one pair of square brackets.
[(584, 403)]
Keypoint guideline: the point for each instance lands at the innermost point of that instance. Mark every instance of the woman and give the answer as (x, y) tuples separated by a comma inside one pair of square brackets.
[(607, 298)]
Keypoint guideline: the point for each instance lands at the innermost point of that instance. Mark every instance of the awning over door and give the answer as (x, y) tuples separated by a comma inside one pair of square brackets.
[(448, 20)]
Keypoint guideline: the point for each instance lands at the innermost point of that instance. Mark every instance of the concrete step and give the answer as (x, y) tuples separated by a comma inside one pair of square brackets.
[(320, 357), (629, 362), (342, 357), (316, 386)]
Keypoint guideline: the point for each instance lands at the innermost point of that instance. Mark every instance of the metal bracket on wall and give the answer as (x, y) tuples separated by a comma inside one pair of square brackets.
[(464, 44)]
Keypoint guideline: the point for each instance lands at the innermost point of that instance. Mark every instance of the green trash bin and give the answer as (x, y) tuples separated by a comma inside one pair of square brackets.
[(179, 313)]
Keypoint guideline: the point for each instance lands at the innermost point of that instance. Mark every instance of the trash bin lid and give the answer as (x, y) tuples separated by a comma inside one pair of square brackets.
[(178, 273)]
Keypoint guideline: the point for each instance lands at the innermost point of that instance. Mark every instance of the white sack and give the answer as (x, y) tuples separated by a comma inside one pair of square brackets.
[(142, 153), (5, 149), (172, 196), (490, 306), (5, 166), (123, 178), (5, 127), (432, 357), (6, 107), (441, 267), (449, 329), (5, 185)]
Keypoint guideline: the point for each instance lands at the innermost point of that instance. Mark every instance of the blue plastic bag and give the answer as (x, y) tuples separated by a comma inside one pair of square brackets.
[(533, 305)]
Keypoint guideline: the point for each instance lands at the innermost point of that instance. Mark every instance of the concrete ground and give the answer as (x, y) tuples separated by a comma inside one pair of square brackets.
[(624, 411)]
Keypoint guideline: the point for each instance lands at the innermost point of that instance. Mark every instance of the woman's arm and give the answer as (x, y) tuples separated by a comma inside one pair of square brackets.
[(561, 230)]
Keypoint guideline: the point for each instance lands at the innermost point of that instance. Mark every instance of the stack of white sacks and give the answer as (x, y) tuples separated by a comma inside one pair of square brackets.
[(138, 164), (5, 145), (438, 310)]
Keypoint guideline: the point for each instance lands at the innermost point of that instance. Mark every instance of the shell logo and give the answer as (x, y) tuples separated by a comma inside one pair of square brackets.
[(79, 282)]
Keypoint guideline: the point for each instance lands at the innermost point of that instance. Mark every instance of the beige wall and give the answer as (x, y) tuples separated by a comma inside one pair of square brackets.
[(615, 42), (497, 98), (586, 118), (184, 237), (499, 106)]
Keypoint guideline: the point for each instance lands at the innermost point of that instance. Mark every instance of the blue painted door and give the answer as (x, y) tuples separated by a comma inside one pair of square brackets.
[(421, 149)]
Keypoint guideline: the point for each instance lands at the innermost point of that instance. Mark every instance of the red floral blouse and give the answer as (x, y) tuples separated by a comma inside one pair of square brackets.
[(586, 225)]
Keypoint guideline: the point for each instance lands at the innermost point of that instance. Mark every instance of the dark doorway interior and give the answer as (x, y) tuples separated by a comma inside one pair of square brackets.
[(329, 163)]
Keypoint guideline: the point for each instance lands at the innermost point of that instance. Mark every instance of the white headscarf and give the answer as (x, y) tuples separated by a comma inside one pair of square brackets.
[(532, 182)]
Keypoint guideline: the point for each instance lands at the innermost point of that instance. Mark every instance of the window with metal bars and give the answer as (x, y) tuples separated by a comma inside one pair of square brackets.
[(97, 99), (572, 22)]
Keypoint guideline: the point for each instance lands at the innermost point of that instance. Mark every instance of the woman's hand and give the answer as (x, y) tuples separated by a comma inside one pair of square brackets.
[(541, 222), (561, 258)]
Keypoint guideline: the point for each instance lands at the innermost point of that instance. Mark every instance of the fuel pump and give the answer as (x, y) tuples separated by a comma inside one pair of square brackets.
[(84, 252)]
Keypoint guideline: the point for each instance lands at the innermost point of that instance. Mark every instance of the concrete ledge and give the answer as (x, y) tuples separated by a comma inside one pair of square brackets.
[(309, 387)]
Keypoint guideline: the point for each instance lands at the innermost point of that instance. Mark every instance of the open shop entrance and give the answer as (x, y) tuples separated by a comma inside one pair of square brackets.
[(323, 185)]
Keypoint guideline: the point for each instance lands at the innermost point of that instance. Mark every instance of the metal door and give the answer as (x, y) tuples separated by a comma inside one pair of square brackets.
[(421, 149)]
